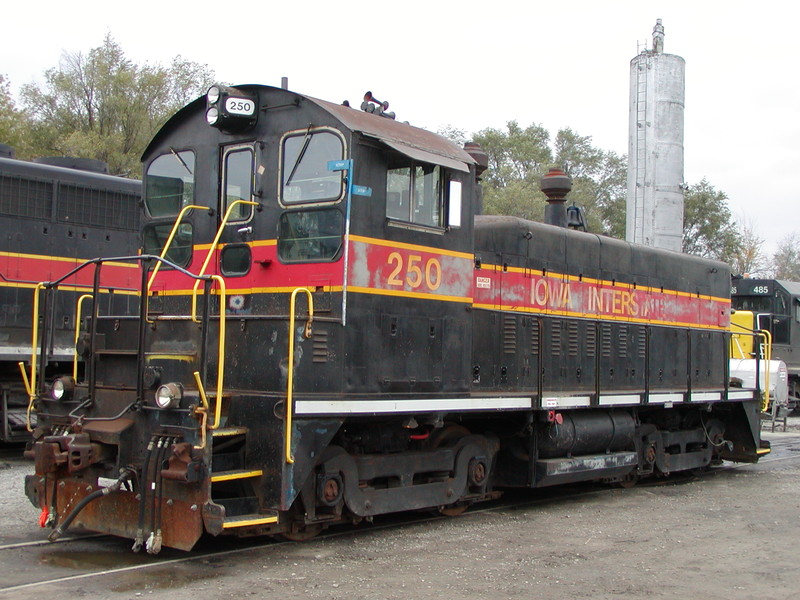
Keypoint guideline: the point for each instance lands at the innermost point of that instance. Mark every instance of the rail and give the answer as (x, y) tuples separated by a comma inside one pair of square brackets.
[(290, 379), (39, 346), (78, 333), (760, 351), (213, 249)]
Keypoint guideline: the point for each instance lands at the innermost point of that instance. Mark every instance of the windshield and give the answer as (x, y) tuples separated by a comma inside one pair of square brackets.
[(304, 167), (169, 183), (310, 235)]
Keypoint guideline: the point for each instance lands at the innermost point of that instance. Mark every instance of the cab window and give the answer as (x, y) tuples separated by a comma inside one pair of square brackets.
[(305, 177), (310, 236), (154, 236), (169, 183), (414, 194), (237, 182)]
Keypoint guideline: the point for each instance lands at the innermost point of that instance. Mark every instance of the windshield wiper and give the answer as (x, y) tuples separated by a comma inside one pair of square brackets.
[(306, 142), (178, 156)]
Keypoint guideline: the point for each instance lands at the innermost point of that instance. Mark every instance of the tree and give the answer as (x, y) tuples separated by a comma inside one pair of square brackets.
[(708, 229), (518, 158), (11, 119), (104, 106), (749, 257), (786, 260)]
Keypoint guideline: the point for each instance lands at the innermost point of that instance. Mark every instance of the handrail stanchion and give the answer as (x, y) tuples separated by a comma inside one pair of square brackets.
[(78, 334), (290, 382)]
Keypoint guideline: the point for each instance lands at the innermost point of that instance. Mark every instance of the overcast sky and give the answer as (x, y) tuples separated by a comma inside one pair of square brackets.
[(472, 65)]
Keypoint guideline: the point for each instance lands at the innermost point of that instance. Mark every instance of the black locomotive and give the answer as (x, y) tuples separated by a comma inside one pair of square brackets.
[(330, 331), (55, 214), (774, 306)]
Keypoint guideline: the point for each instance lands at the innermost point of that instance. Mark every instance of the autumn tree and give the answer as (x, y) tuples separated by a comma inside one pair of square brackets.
[(102, 105), (519, 157), (708, 228), (786, 260), (750, 258), (11, 119)]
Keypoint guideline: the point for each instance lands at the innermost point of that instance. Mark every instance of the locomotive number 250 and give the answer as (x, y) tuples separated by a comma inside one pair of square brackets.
[(413, 271)]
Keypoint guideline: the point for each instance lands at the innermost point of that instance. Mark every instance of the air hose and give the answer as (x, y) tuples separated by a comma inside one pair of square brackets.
[(114, 487)]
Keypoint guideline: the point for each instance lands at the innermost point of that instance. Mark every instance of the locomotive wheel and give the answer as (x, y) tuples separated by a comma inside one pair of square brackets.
[(453, 510), (449, 435), (301, 534), (629, 481)]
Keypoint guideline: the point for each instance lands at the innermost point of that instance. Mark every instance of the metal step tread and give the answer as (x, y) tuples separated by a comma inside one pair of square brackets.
[(228, 431), (236, 474), (249, 520)]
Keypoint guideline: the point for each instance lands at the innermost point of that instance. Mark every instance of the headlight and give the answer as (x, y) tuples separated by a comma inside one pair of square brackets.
[(62, 388), (212, 115), (169, 395), (212, 95)]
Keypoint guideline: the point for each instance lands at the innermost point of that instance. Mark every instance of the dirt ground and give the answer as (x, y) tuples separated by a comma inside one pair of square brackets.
[(734, 534)]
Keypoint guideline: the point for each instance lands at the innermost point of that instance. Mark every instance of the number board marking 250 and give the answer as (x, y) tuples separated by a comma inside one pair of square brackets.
[(240, 106)]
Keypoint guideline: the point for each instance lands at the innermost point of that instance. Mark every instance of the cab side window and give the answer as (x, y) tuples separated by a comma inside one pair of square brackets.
[(415, 194)]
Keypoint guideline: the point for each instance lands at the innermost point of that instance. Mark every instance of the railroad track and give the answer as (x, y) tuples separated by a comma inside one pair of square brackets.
[(35, 564)]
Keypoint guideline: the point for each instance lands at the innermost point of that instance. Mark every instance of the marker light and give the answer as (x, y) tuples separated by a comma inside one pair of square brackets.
[(62, 388), (212, 95), (169, 395), (231, 109), (212, 115)]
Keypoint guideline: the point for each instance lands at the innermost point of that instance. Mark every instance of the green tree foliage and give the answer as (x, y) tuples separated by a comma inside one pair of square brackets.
[(11, 119), (102, 105), (518, 158), (786, 260), (708, 229)]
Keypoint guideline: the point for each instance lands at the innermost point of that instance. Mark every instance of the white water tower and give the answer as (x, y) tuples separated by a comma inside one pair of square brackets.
[(655, 147)]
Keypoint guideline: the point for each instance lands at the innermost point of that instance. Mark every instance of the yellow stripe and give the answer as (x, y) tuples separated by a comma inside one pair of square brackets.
[(255, 244), (75, 261), (249, 522), (391, 244), (237, 475), (595, 316), (265, 290), (381, 292), (69, 288), (763, 451), (180, 357), (615, 284)]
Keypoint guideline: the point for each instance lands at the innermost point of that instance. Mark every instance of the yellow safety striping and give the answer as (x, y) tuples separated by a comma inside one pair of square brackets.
[(240, 474), (229, 431), (247, 522)]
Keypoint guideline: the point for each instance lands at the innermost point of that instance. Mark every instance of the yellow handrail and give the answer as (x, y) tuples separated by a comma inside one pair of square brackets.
[(31, 386), (77, 334), (290, 382), (211, 251), (220, 350), (768, 357), (172, 233), (30, 395), (201, 410)]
